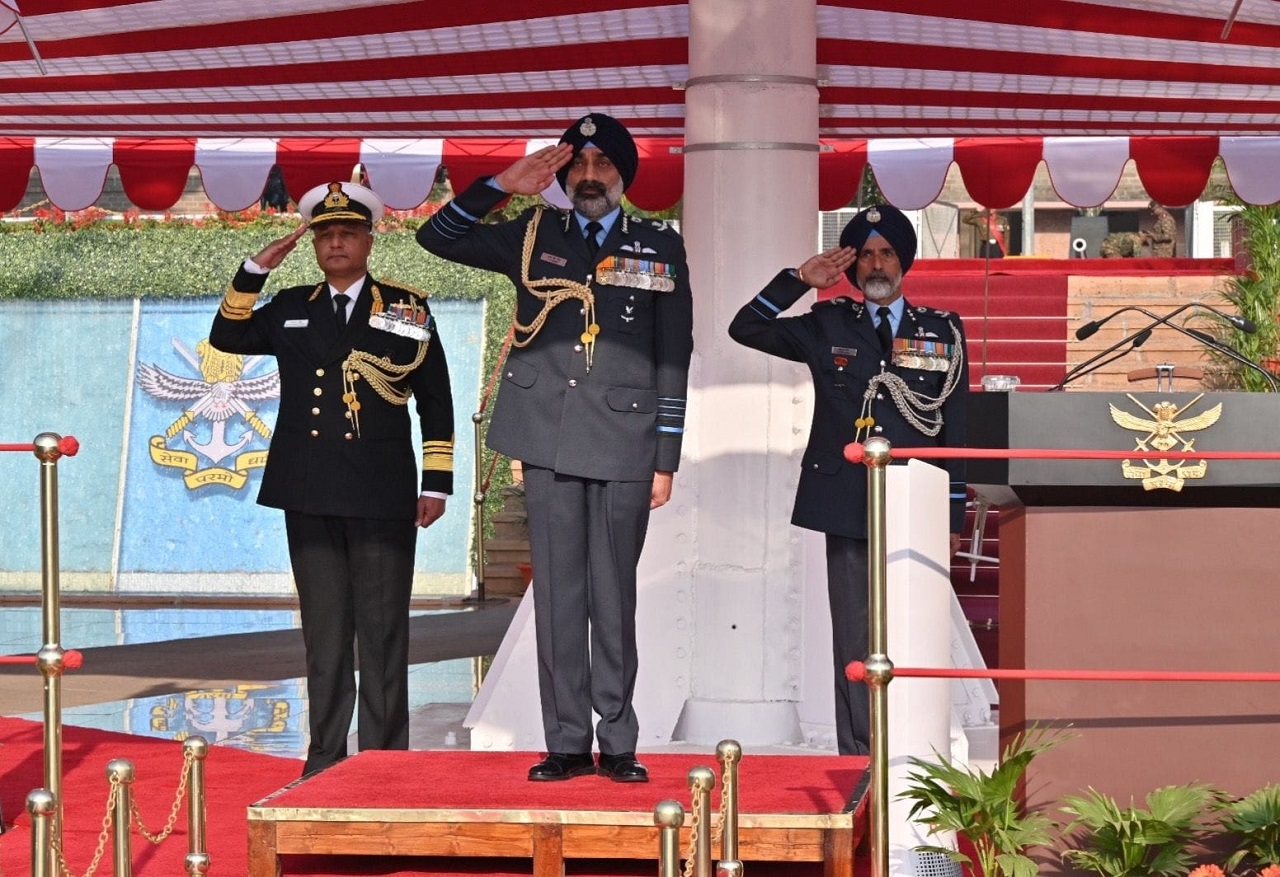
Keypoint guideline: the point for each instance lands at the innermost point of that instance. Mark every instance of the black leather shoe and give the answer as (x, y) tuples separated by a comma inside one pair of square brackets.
[(623, 768), (562, 766)]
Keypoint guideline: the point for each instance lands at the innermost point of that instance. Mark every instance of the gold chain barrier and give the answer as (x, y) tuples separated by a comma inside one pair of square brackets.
[(698, 862), (879, 667), (669, 817), (195, 750), (48, 448), (48, 858), (728, 753)]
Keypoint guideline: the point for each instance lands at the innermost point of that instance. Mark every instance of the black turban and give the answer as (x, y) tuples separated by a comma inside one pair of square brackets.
[(609, 136), (891, 224)]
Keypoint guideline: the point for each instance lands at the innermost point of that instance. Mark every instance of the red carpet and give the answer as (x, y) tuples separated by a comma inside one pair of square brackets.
[(233, 780), (477, 780)]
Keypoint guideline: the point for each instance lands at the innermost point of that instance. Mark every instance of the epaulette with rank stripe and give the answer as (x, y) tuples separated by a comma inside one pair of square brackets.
[(839, 301)]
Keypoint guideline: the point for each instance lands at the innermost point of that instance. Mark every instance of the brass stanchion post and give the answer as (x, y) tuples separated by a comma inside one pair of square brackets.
[(196, 749), (478, 498), (729, 754), (49, 658), (878, 454), (120, 773), (668, 816), (701, 782), (43, 809)]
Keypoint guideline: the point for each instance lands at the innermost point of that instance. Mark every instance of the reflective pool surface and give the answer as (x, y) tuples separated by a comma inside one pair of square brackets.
[(265, 717)]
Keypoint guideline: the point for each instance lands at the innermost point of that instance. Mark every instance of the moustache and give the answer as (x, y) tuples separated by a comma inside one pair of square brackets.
[(590, 189)]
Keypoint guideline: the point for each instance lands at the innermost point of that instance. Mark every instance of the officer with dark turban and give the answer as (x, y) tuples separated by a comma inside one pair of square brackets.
[(880, 367), (592, 403)]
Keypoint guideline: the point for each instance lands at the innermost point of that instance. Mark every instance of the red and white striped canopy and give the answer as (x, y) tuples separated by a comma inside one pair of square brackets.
[(159, 86)]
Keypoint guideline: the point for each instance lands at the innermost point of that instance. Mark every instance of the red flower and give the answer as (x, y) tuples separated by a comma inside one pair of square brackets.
[(1207, 871)]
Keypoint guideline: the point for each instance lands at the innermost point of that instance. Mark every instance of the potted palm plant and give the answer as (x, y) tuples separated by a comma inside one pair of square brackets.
[(984, 808), (1253, 293), (1115, 841), (1252, 824)]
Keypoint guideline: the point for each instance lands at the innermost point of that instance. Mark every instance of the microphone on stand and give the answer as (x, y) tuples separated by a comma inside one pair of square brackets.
[(1244, 324), (1137, 339), (1092, 364)]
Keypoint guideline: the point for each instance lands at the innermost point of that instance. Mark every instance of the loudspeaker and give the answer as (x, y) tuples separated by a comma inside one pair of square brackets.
[(1087, 233)]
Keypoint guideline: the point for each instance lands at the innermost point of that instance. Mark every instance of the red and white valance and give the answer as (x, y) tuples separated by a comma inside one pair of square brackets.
[(997, 171)]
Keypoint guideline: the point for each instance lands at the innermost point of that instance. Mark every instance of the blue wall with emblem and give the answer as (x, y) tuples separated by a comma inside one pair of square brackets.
[(155, 504)]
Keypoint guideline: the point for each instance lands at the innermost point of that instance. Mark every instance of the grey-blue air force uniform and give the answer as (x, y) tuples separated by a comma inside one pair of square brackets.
[(837, 341), (590, 423)]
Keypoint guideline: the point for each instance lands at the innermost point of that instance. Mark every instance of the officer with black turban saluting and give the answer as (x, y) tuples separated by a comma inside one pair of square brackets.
[(880, 367), (592, 403)]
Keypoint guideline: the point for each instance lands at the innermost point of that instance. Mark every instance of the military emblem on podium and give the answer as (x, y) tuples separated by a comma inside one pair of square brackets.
[(1162, 430), (214, 439)]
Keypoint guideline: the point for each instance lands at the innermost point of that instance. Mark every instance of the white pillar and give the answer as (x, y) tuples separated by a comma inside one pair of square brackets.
[(750, 208)]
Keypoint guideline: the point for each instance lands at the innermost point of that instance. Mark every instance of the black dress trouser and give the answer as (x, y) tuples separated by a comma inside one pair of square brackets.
[(354, 578), (847, 593)]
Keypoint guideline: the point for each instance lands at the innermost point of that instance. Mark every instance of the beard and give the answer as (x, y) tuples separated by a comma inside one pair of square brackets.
[(878, 286), (593, 200)]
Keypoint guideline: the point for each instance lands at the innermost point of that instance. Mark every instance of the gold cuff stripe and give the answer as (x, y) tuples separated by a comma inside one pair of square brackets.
[(437, 456), (237, 305)]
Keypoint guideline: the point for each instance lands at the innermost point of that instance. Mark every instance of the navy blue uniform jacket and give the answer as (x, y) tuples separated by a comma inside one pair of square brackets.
[(837, 341), (318, 464)]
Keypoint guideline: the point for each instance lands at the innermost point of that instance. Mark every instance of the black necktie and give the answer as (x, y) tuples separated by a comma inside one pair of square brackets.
[(884, 329), (340, 302), (593, 242)]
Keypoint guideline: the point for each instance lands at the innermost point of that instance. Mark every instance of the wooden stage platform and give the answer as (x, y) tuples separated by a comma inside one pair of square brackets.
[(794, 808)]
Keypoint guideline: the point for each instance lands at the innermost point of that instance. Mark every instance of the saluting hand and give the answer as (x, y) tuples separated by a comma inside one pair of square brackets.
[(826, 269), (273, 253), (533, 173)]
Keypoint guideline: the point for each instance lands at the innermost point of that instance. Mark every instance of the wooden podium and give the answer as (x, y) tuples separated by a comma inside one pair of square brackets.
[(1107, 568)]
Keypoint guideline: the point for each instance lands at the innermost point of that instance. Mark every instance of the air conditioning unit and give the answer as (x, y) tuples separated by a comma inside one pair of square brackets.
[(830, 224), (936, 229)]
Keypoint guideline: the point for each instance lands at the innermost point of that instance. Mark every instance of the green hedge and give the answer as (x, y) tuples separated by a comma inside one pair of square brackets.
[(180, 260)]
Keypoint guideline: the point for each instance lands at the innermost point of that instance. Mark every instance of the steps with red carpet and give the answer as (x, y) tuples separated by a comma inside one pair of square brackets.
[(422, 807)]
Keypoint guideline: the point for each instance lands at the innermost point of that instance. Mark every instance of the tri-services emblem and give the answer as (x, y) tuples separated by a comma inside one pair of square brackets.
[(1161, 431), (210, 405)]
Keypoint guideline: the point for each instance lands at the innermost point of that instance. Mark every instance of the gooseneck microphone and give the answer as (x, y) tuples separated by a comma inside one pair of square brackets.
[(1244, 324), (1121, 348), (1137, 339)]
